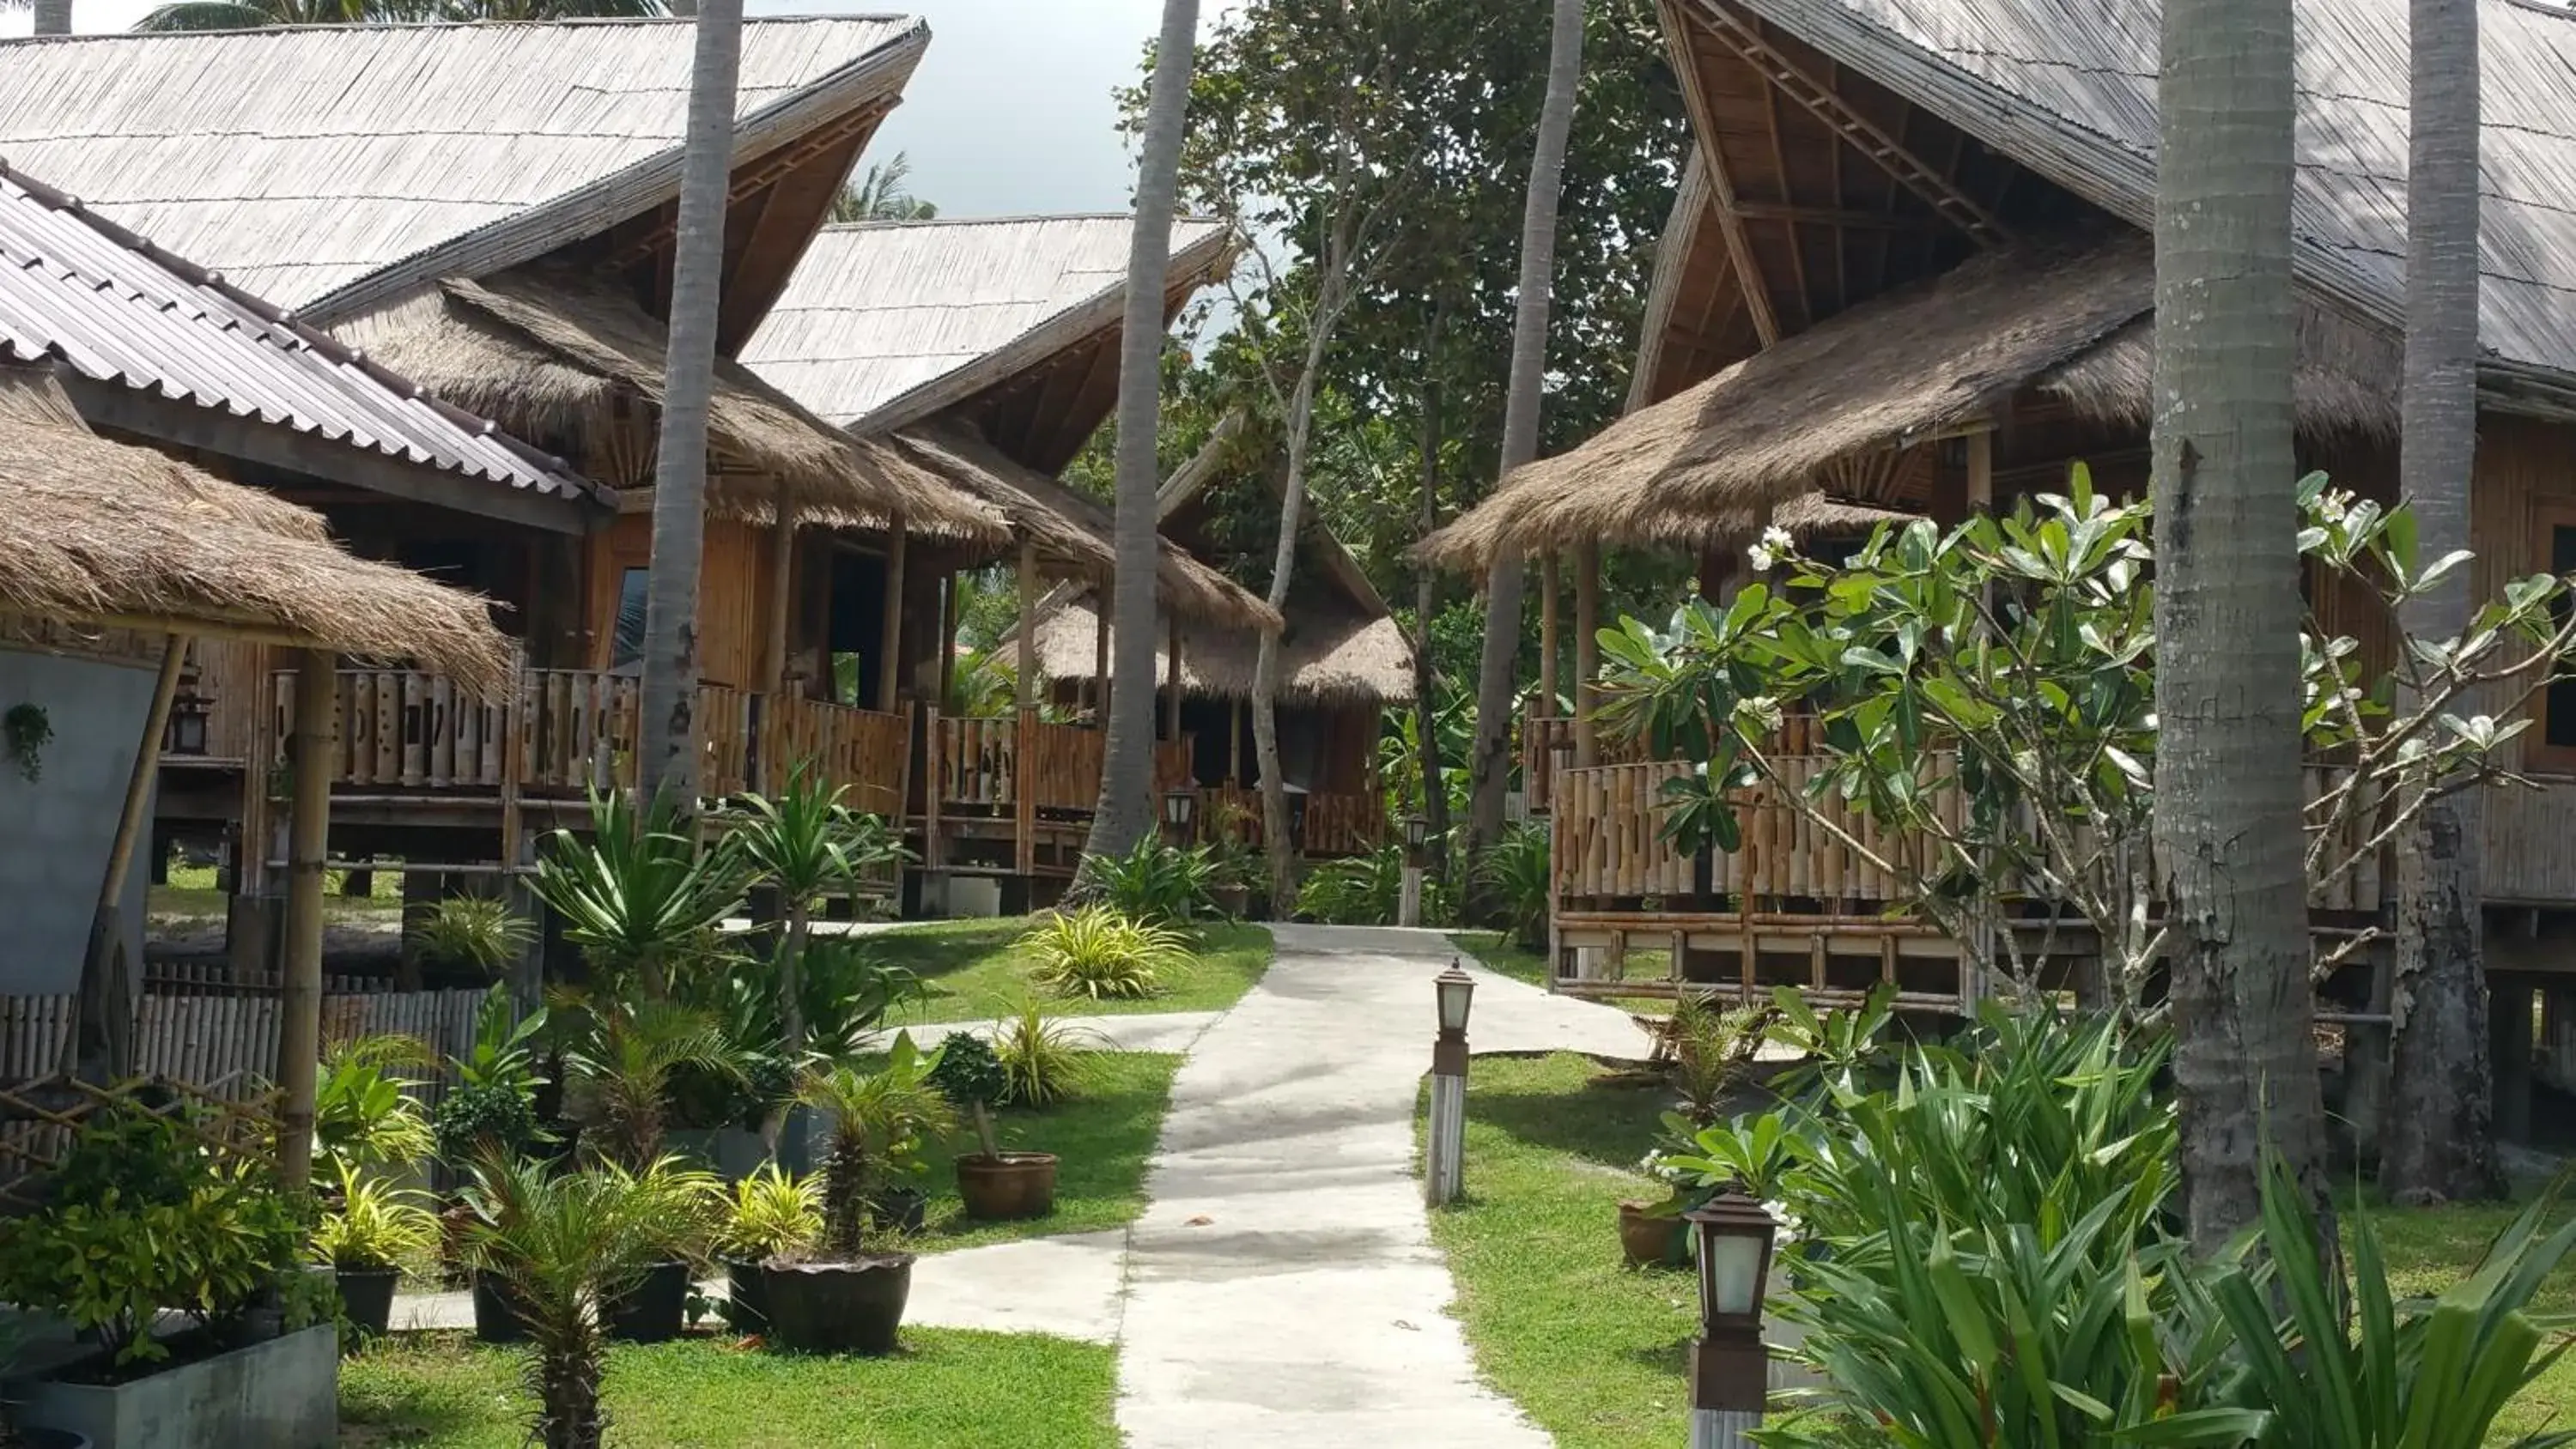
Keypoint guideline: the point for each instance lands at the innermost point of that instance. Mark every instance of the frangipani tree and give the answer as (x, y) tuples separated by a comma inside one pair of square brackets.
[(1986, 697)]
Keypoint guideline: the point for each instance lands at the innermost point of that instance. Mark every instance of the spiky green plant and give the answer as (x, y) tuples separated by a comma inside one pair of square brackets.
[(773, 1213), (375, 1224), (1046, 1060), (1156, 883), (797, 844), (471, 933), (1712, 1049), (563, 1246), (1101, 953), (879, 1122), (361, 1115), (639, 897)]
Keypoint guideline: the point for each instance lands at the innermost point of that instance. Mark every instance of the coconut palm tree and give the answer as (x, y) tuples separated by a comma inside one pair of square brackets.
[(883, 194), (2438, 1140), (1489, 767), (2227, 600), (667, 755), (53, 17), (1126, 809)]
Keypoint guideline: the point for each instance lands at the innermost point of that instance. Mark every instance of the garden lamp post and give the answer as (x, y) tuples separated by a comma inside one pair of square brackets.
[(1730, 1369), (1455, 992), (1180, 811), (1408, 908)]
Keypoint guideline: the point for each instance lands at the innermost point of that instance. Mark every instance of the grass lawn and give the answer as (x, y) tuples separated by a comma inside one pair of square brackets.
[(191, 895), (1590, 1349), (974, 970), (946, 1389), (1102, 1140), (1500, 954), (1593, 1351)]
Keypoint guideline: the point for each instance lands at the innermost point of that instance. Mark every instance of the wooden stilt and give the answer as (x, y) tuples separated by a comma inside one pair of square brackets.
[(890, 637), (1100, 665), (299, 1036), (948, 604), (1981, 471), (1172, 700), (1023, 786), (1547, 591), (1587, 649)]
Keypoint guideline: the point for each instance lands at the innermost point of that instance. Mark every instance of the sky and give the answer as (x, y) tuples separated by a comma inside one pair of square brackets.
[(1009, 113)]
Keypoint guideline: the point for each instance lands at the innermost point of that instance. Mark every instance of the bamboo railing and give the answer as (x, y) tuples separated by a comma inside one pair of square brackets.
[(1336, 822)]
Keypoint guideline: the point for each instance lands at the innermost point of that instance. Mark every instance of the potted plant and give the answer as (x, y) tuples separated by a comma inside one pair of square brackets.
[(996, 1186), (687, 1203), (1650, 1233), (845, 1296), (366, 1238), (773, 1214), (562, 1246), (492, 1108)]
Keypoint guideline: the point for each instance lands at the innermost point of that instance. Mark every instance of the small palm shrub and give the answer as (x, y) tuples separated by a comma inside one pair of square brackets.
[(880, 1122), (1102, 953), (1157, 883), (622, 1063), (471, 933), (1712, 1049), (1043, 1059)]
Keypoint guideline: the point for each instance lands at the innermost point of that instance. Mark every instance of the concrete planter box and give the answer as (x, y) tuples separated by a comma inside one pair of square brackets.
[(282, 1394)]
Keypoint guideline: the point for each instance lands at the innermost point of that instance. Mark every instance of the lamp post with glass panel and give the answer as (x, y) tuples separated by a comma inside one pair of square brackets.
[(1444, 1166), (1730, 1369)]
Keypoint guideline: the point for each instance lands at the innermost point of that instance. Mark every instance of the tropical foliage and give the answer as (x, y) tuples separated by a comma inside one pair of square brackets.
[(1101, 953), (639, 896), (362, 1117), (877, 1122), (471, 933), (374, 1224), (1044, 1059), (1157, 884), (773, 1213)]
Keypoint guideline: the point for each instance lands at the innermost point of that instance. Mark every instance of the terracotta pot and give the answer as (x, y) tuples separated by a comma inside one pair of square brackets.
[(853, 1307), (367, 1297), (655, 1309), (1649, 1241), (1007, 1187)]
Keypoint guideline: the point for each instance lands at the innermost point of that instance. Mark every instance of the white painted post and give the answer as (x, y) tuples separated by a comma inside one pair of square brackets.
[(1408, 904), (1445, 1161), (1723, 1428)]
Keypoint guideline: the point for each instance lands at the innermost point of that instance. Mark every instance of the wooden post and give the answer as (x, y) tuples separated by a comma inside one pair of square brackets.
[(1587, 648), (1172, 706), (1100, 656), (1023, 800), (299, 1035), (101, 1047), (1234, 741), (1547, 589), (1981, 471), (948, 604), (890, 640)]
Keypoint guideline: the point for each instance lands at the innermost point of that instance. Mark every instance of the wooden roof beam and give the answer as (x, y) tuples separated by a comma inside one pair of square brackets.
[(1739, 34), (1678, 28), (1834, 216), (760, 173)]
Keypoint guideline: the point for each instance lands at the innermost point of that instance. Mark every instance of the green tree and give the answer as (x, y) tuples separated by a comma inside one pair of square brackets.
[(884, 193)]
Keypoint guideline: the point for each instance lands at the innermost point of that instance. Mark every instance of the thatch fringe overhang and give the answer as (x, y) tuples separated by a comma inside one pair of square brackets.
[(94, 532), (1073, 534), (1849, 400), (1329, 657), (552, 352)]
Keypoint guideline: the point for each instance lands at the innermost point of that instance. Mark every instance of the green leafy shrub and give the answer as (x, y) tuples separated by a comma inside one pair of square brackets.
[(849, 988), (145, 1219), (480, 1116), (1360, 890), (638, 896), (1157, 883), (970, 1074), (471, 933), (1103, 954), (1516, 873), (1045, 1060), (375, 1225), (505, 1045), (362, 1117)]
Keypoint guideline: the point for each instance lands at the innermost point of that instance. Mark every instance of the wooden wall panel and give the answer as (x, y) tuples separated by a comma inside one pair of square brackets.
[(732, 595)]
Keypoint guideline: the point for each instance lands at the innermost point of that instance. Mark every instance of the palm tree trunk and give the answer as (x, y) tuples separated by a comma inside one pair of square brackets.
[(1490, 769), (1426, 603), (1278, 840), (1126, 810), (2439, 1137), (668, 752), (53, 17), (2227, 676), (791, 958)]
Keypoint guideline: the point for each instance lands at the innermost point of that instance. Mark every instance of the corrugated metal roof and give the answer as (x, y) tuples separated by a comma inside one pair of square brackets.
[(2089, 68), (298, 161), (881, 310), (73, 289)]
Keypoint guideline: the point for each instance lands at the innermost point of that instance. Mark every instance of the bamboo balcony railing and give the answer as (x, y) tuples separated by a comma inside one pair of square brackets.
[(567, 731), (1334, 822)]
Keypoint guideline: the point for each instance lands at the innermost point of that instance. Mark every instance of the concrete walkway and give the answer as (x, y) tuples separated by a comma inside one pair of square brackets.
[(1282, 1285), (1159, 1031)]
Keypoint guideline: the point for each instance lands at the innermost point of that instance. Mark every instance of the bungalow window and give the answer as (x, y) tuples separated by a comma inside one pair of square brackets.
[(628, 649), (2553, 744)]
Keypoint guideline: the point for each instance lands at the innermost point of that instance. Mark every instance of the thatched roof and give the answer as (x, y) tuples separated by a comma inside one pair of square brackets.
[(332, 166), (1883, 375), (1707, 466), (2070, 92), (98, 533), (549, 351), (1330, 656), (1074, 534)]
